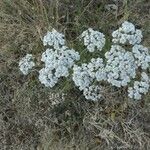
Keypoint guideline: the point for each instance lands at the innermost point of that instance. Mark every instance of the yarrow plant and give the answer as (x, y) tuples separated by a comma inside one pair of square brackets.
[(58, 59), (93, 92), (57, 64), (127, 34), (54, 39), (120, 66), (26, 64), (141, 55), (140, 87), (93, 40), (85, 75)]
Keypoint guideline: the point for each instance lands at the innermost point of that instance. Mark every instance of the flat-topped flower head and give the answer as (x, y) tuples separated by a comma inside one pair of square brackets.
[(59, 61), (54, 39), (96, 69), (142, 56), (26, 64), (47, 77), (140, 87), (58, 57), (127, 34), (93, 93), (120, 66), (81, 76), (85, 74), (127, 27), (93, 40)]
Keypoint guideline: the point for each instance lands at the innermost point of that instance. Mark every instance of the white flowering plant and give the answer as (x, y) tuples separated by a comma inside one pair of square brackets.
[(57, 64), (127, 34), (93, 40), (26, 64), (54, 39), (120, 66)]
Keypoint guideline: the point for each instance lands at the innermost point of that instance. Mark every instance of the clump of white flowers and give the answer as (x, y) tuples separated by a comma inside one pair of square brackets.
[(127, 34), (26, 64), (85, 75), (93, 92), (97, 69), (54, 39), (47, 77), (128, 62), (93, 40), (81, 76), (140, 87), (119, 67), (142, 57), (57, 64)]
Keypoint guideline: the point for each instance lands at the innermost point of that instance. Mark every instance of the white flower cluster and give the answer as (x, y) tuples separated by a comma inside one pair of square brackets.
[(93, 40), (120, 66), (85, 75), (142, 56), (81, 76), (54, 39), (96, 69), (139, 87), (26, 64), (127, 34), (47, 77), (57, 64), (93, 93), (128, 62)]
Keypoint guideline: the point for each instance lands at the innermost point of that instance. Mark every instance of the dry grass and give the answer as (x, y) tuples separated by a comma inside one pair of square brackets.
[(28, 117)]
